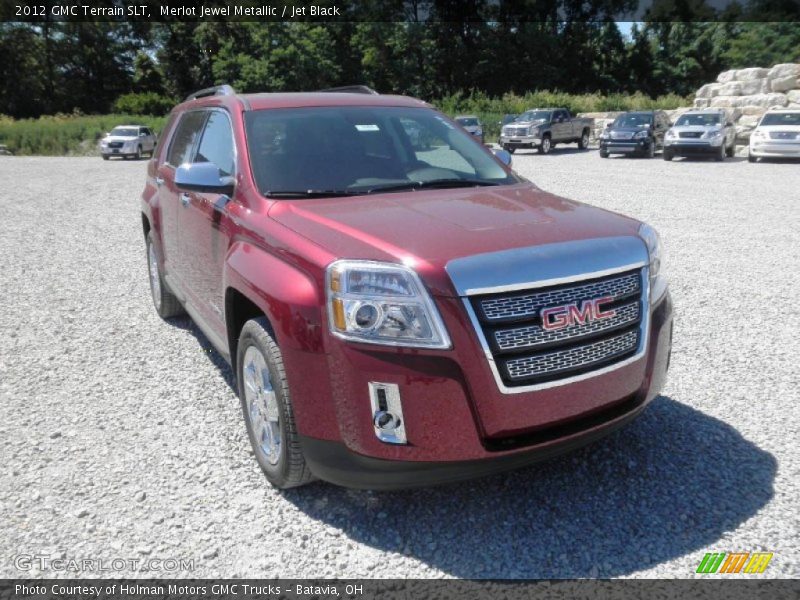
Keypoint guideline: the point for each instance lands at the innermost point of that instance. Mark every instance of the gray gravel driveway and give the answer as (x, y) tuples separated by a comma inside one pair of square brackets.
[(123, 438)]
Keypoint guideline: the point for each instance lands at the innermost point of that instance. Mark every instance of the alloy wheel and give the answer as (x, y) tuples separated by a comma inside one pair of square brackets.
[(262, 405)]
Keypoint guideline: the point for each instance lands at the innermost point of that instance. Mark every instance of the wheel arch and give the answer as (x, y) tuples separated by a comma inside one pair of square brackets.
[(258, 283)]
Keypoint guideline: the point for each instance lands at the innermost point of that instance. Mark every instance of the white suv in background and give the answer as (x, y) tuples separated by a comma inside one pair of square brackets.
[(128, 141), (777, 135)]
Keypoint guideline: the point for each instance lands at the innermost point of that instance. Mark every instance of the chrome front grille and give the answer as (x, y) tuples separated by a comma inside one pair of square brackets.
[(690, 134), (534, 336), (526, 306), (582, 356), (621, 135), (525, 353), (515, 131)]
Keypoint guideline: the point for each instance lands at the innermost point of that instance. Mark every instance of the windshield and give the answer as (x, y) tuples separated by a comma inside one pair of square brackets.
[(633, 120), (703, 120), (125, 131), (534, 115), (348, 150), (781, 119), (467, 121)]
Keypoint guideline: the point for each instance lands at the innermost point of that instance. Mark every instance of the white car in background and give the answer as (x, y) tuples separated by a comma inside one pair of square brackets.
[(128, 141), (777, 135)]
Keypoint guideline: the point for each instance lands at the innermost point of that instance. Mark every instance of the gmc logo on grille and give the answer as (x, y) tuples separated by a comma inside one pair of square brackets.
[(559, 317)]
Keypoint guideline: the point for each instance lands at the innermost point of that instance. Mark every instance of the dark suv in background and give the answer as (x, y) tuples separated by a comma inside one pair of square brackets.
[(640, 133)]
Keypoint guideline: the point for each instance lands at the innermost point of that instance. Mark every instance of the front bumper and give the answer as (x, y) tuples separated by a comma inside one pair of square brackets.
[(447, 442), (520, 141), (683, 147), (775, 149), (632, 146)]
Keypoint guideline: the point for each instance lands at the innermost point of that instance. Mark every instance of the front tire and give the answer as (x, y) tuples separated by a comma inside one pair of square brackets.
[(731, 151), (267, 407), (651, 150), (546, 145), (603, 153), (105, 156), (164, 301), (720, 156), (583, 143), (138, 155), (751, 158), (667, 154), (510, 149)]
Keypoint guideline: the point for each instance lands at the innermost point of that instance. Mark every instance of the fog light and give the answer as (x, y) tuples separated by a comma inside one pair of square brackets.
[(387, 412)]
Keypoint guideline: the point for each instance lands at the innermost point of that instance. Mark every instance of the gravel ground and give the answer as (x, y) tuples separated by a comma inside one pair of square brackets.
[(123, 437)]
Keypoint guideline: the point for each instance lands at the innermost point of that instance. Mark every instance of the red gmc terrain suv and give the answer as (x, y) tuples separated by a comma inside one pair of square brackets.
[(398, 306)]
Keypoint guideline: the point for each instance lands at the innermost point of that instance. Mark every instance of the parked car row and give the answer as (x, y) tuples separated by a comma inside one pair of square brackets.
[(702, 132)]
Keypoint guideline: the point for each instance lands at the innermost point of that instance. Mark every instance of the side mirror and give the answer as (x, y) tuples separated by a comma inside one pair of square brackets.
[(203, 177), (504, 156)]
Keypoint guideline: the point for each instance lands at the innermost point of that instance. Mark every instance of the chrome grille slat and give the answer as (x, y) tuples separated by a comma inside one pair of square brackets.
[(534, 335), (575, 357), (529, 305)]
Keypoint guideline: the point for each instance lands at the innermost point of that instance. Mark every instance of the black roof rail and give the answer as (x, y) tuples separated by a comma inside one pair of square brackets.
[(217, 90), (351, 89)]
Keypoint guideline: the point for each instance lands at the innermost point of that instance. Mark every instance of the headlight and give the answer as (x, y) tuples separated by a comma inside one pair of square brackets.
[(478, 131), (759, 134), (382, 303), (533, 130), (652, 240), (641, 134), (713, 134), (671, 133)]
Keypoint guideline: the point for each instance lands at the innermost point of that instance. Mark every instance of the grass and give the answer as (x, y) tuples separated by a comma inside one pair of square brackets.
[(64, 135), (77, 135)]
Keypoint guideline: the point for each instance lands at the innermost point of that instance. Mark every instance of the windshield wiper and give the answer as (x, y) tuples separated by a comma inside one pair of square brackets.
[(435, 183), (311, 194)]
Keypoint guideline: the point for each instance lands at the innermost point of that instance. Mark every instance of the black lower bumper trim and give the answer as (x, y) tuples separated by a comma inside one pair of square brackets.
[(333, 462)]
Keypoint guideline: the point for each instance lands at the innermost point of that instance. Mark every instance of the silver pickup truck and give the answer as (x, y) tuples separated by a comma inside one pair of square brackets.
[(543, 128)]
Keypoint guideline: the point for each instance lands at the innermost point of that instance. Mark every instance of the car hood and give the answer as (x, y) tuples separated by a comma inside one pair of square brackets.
[(428, 228), (120, 138), (525, 123), (768, 128), (700, 128), (628, 129)]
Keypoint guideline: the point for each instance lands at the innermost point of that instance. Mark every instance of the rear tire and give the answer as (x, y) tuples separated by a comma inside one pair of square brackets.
[(583, 143), (267, 408), (164, 301), (546, 145)]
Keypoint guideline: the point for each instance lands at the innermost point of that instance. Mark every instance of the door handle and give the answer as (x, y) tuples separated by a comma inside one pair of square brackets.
[(185, 199)]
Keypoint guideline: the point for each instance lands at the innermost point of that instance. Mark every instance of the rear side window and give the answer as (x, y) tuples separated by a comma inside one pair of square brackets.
[(216, 146), (186, 134)]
